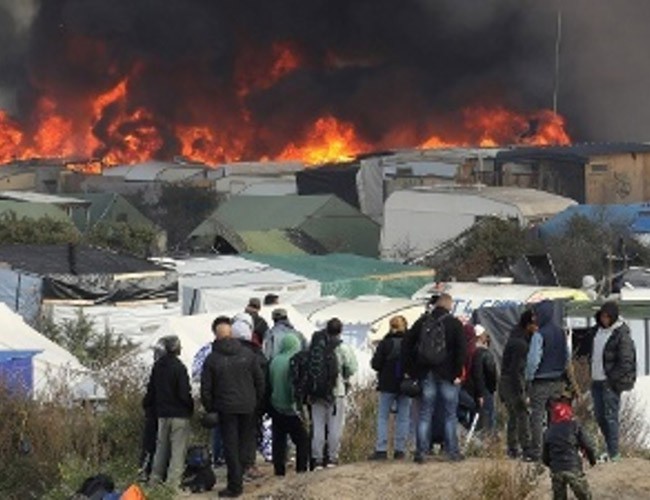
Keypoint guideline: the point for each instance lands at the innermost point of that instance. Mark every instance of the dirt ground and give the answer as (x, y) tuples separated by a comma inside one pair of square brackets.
[(626, 480)]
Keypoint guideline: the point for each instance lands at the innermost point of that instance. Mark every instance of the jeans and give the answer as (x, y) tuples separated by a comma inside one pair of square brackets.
[(331, 416), (217, 446), (488, 415), (433, 388), (292, 426), (237, 441), (540, 392), (171, 447), (386, 402), (607, 405)]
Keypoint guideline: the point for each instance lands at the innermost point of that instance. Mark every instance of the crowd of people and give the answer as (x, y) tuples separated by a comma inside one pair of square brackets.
[(264, 387)]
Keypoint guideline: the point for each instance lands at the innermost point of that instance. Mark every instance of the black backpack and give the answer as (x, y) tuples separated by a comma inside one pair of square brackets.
[(96, 487), (322, 367), (198, 475), (432, 345), (298, 376)]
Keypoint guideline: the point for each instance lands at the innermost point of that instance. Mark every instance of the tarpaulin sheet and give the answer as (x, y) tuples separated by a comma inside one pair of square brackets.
[(105, 288), (500, 321), (21, 292), (340, 180), (17, 371)]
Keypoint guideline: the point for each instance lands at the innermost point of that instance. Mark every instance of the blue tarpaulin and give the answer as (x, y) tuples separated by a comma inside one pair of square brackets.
[(17, 370)]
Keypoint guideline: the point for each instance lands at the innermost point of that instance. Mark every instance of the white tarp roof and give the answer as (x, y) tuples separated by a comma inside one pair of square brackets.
[(53, 366), (212, 284), (195, 331), (134, 323)]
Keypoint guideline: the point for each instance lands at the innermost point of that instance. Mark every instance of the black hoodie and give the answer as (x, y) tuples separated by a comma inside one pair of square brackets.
[(387, 362), (232, 380), (513, 363), (168, 391)]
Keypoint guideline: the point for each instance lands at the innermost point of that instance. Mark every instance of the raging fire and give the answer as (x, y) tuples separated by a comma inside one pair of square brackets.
[(117, 126)]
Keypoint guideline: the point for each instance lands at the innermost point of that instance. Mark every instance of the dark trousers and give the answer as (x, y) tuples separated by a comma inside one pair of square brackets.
[(237, 437), (518, 426), (149, 436), (607, 405), (250, 449), (540, 392), (575, 480), (292, 426)]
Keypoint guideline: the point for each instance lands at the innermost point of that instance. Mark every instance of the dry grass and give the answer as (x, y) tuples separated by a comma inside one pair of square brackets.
[(499, 479)]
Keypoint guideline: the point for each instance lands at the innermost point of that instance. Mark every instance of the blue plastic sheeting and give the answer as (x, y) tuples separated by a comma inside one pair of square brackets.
[(17, 371), (21, 292), (635, 216)]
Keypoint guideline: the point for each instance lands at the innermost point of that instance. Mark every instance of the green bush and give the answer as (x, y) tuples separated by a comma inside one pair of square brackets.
[(42, 231)]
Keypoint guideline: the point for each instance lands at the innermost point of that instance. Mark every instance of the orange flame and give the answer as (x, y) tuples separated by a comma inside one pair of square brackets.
[(328, 140)]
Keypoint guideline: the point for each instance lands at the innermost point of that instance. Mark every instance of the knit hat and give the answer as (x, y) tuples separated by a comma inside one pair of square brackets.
[(279, 314), (242, 327), (254, 303), (479, 330), (611, 309), (561, 411)]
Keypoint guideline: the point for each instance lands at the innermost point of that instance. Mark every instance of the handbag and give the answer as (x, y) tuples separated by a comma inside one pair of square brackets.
[(410, 387), (209, 420)]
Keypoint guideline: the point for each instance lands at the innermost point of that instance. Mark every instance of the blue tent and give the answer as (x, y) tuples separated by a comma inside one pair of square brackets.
[(635, 217), (17, 370)]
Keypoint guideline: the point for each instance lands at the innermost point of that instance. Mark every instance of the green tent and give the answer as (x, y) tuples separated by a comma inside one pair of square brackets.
[(32, 210), (108, 207), (349, 276), (302, 224)]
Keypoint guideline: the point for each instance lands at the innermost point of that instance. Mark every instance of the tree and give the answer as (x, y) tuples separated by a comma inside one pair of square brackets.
[(122, 237), (179, 209), (41, 231)]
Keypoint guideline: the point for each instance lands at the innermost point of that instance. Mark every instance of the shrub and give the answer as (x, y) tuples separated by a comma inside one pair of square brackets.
[(502, 480), (360, 427)]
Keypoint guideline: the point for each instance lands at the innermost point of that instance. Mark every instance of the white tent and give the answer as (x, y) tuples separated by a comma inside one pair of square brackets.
[(365, 321), (53, 365), (195, 331), (223, 283)]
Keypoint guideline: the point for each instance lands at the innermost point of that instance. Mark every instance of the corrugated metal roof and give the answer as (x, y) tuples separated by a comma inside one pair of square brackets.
[(29, 196), (576, 153)]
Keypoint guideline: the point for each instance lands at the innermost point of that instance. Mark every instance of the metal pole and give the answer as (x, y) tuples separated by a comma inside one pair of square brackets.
[(558, 44)]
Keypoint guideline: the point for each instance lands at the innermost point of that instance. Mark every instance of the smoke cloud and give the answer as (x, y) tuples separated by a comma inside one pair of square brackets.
[(374, 63)]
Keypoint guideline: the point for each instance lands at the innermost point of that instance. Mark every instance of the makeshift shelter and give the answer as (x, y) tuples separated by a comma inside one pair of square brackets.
[(53, 366), (339, 180), (17, 371), (297, 224), (82, 276), (417, 221), (349, 276), (221, 283), (365, 322), (65, 203)]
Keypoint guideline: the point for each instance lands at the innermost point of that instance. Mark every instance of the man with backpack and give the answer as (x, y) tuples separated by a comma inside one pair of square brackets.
[(330, 365), (434, 353)]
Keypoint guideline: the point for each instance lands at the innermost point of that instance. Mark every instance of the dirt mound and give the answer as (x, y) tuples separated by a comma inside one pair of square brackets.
[(472, 479)]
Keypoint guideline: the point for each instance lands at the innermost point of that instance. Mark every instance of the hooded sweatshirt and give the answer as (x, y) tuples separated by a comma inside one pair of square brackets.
[(282, 398), (549, 352), (563, 441)]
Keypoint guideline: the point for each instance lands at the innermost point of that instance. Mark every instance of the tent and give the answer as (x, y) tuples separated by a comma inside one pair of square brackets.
[(224, 283), (195, 331), (52, 364), (365, 321), (349, 276)]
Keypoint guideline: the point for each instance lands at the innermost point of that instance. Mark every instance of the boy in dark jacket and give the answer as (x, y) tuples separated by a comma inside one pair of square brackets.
[(232, 384), (563, 442), (387, 362), (512, 385), (482, 381)]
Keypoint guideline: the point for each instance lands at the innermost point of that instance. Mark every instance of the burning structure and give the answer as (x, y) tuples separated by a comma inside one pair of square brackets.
[(131, 81)]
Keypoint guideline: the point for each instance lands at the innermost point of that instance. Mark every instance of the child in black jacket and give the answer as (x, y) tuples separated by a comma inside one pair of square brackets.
[(563, 442)]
